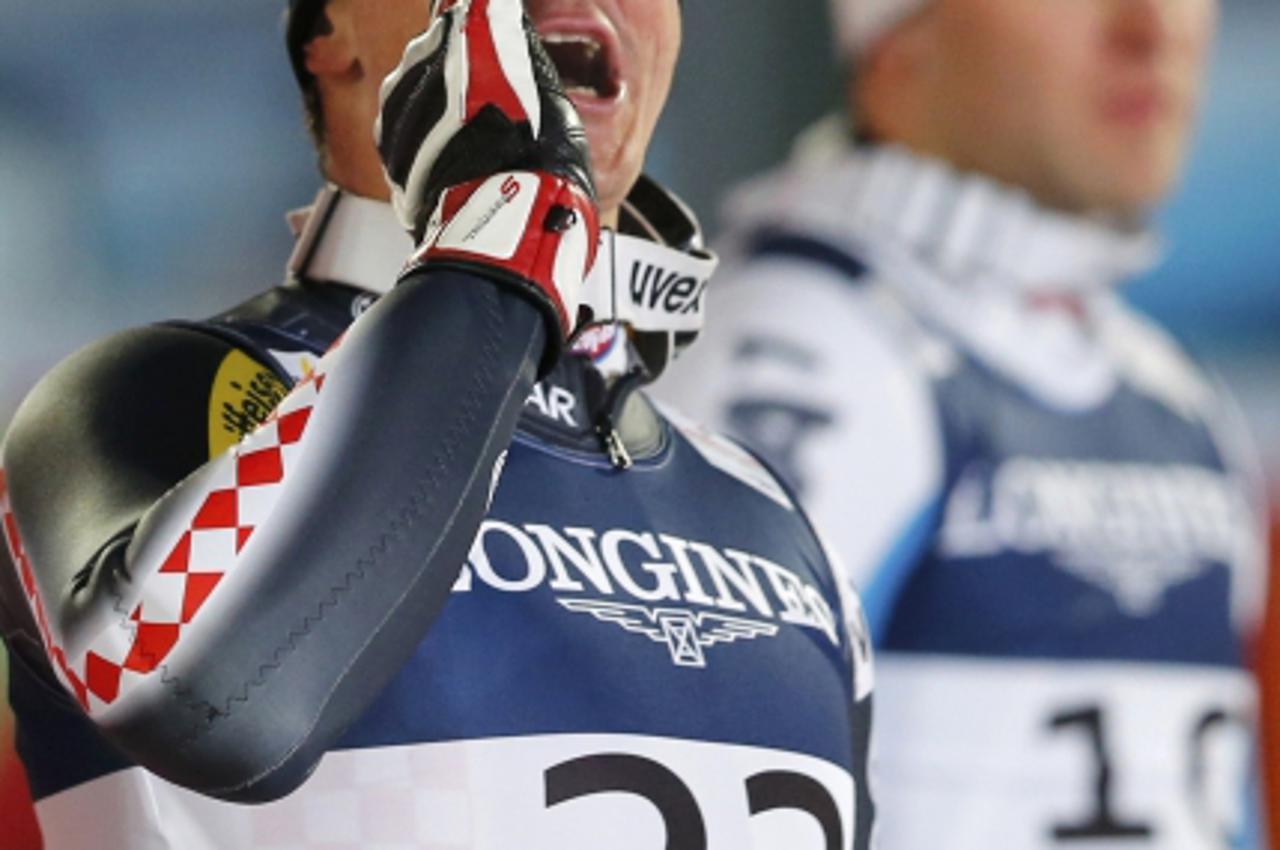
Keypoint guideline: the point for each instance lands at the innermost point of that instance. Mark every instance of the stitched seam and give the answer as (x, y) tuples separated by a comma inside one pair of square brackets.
[(423, 495)]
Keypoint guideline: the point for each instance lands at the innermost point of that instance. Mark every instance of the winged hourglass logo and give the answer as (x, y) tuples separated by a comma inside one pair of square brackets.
[(687, 635)]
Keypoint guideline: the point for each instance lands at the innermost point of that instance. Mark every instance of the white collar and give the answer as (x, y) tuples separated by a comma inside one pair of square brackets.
[(980, 262), (344, 238), (967, 227)]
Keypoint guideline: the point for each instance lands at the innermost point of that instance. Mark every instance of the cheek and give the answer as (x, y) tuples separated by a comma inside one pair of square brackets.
[(659, 77), (1027, 42), (388, 27), (1193, 25), (656, 42), (657, 36), (1044, 59)]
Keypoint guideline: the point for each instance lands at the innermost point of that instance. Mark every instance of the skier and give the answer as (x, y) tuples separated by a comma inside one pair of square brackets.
[(1048, 507), (374, 578)]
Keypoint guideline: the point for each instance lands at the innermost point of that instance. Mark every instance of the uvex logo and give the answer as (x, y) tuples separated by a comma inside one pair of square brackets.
[(682, 593), (654, 287)]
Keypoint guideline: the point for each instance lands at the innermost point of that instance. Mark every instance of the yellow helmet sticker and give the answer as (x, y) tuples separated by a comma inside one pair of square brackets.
[(244, 393)]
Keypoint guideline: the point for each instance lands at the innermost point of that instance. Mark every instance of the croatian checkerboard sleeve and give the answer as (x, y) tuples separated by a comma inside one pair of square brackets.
[(224, 621)]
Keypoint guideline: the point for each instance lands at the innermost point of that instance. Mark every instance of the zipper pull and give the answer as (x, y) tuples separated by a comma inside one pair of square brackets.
[(606, 401), (612, 440)]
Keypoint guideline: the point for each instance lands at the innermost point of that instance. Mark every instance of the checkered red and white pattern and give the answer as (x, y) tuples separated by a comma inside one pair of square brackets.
[(241, 489), (22, 563)]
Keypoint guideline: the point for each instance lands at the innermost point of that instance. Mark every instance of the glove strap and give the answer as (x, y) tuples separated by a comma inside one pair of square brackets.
[(537, 230), (647, 286)]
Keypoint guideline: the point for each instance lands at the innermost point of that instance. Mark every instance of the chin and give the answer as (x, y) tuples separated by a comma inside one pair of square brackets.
[(1130, 193), (1127, 175), (1147, 182), (614, 166)]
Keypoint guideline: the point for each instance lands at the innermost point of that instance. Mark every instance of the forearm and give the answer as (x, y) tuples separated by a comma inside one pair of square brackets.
[(330, 537)]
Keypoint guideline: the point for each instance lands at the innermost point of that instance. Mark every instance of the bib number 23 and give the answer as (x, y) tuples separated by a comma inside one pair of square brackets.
[(681, 815)]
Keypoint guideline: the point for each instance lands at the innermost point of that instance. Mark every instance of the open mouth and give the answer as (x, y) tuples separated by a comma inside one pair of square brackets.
[(585, 65)]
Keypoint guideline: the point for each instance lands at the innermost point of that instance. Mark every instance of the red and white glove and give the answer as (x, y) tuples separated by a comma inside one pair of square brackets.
[(487, 158)]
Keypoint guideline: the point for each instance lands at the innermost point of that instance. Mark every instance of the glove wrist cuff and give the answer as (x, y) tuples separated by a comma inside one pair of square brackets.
[(540, 229)]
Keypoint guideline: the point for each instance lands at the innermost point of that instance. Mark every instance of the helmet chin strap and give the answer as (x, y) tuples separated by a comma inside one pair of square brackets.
[(657, 292), (647, 286)]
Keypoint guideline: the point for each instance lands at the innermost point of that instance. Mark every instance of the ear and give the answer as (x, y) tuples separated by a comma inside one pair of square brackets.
[(903, 52), (887, 83), (331, 52)]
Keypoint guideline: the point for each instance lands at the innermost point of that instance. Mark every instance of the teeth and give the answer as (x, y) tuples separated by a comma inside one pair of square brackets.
[(588, 44), (582, 63)]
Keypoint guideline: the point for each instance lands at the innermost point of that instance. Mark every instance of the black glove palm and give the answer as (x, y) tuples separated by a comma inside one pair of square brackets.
[(455, 112)]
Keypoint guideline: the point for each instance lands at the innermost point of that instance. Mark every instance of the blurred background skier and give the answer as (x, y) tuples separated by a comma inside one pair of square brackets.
[(1053, 514)]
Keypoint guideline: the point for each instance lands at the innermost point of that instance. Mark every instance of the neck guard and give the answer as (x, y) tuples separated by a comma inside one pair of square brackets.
[(966, 227)]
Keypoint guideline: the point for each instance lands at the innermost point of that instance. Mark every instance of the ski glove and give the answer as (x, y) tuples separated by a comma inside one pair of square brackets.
[(488, 160)]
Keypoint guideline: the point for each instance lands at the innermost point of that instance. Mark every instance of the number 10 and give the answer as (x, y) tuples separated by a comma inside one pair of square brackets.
[(1103, 822)]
